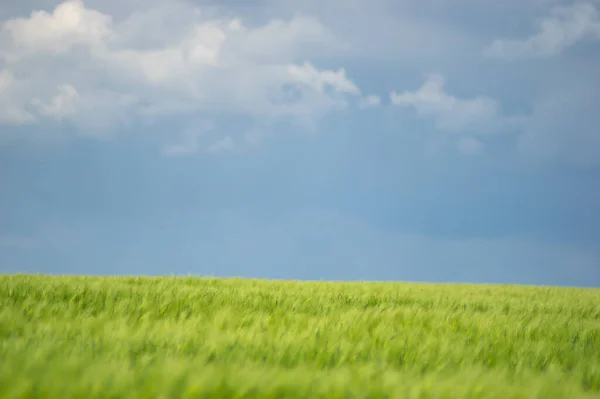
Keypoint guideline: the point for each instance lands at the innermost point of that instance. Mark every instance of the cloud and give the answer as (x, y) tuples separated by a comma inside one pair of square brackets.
[(400, 32), (70, 24), (100, 66), (63, 104), (309, 76), (450, 113), (12, 107), (370, 101), (99, 72), (563, 28)]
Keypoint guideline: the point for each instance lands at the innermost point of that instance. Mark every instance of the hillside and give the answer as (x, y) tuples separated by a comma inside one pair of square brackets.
[(92, 337)]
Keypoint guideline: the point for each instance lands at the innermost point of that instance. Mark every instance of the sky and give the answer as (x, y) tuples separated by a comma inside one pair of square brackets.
[(392, 140)]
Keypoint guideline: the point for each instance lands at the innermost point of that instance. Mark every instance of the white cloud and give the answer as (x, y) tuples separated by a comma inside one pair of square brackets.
[(284, 40), (319, 81), (63, 104), (180, 65), (68, 25), (450, 113), (98, 71), (401, 32), (370, 101), (12, 110), (563, 28)]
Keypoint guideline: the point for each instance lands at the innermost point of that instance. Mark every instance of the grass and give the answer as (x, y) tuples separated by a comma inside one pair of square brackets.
[(89, 337)]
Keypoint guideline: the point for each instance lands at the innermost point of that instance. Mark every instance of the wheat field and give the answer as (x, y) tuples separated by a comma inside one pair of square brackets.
[(167, 337)]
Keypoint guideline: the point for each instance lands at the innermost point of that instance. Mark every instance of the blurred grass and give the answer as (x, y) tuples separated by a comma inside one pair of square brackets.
[(92, 337)]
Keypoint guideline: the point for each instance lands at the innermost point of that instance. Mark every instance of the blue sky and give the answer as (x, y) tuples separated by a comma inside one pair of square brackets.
[(340, 140)]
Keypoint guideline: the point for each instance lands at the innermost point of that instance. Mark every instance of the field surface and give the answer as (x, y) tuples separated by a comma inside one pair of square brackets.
[(84, 337)]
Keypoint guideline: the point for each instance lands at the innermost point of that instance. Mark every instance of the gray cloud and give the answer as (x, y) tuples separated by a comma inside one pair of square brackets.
[(563, 28)]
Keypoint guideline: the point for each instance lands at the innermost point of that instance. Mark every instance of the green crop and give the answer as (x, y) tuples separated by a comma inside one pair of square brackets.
[(109, 337)]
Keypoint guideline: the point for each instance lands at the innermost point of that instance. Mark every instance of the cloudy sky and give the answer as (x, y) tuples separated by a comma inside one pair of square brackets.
[(333, 139)]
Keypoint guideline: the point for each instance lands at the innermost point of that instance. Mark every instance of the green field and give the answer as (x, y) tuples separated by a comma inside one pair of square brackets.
[(89, 337)]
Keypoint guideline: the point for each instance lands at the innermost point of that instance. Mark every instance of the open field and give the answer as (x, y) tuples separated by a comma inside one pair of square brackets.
[(84, 337)]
